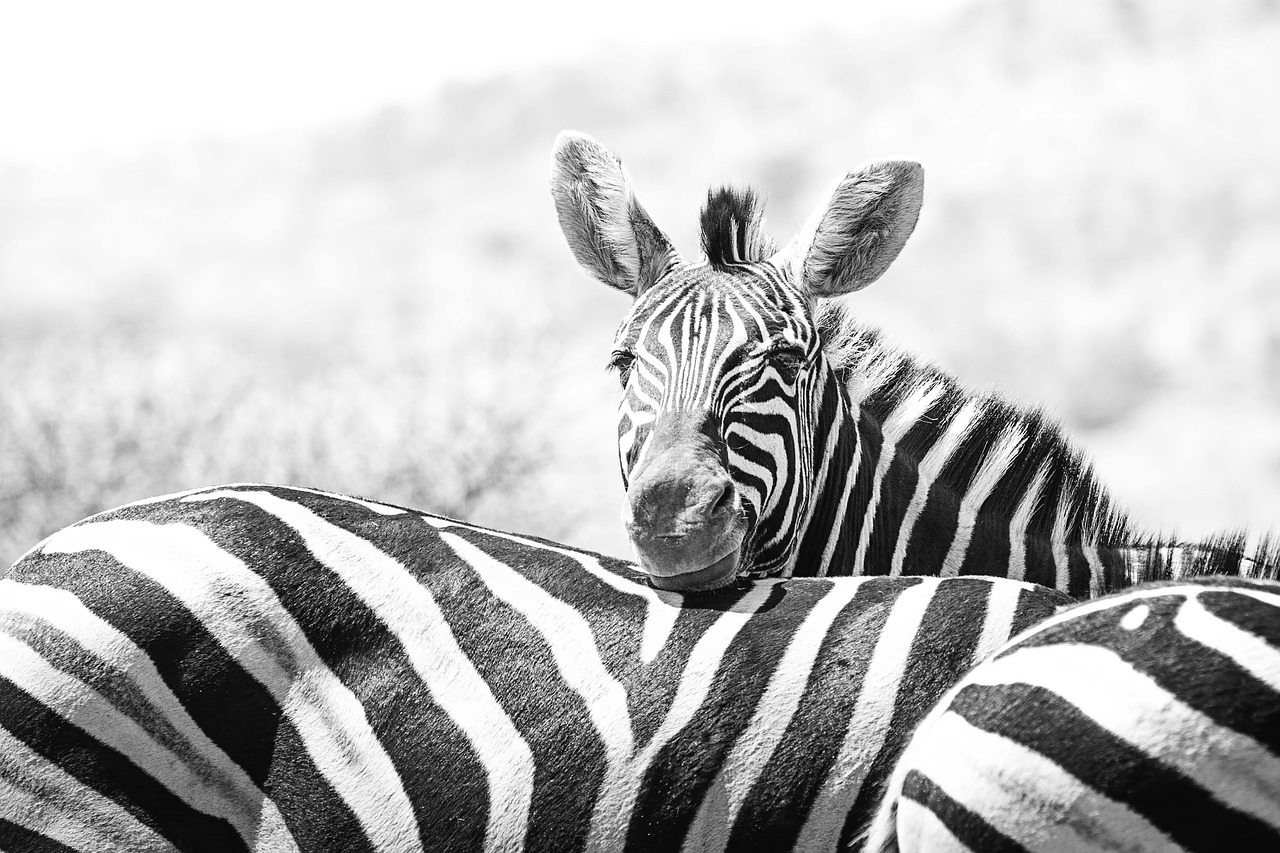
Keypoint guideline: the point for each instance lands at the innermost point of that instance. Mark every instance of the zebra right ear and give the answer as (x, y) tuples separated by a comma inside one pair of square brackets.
[(851, 240), (607, 229)]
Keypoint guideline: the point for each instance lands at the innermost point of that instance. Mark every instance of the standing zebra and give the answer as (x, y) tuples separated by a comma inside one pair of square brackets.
[(277, 669), (1147, 720), (764, 432)]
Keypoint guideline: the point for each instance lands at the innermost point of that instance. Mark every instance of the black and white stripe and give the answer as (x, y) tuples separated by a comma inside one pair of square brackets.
[(266, 668), (1147, 720), (845, 455)]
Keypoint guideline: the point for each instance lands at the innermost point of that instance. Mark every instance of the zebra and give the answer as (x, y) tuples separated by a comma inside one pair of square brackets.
[(269, 668), (1146, 720), (764, 431)]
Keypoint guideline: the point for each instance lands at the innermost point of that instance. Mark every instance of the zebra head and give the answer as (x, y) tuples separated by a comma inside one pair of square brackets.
[(725, 388)]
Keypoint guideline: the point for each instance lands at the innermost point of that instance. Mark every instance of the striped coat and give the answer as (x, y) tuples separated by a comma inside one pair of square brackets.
[(277, 669), (1147, 720)]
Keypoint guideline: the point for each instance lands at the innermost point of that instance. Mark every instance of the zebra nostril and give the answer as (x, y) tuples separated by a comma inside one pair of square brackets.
[(725, 501)]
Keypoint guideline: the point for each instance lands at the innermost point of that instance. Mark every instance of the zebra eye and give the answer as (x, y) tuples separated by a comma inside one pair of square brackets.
[(788, 362), (621, 361)]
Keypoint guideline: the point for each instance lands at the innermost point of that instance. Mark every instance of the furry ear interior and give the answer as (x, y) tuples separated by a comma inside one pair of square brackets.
[(607, 229), (851, 241)]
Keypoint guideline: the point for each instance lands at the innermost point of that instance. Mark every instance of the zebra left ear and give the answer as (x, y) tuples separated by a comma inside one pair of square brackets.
[(610, 234), (851, 241)]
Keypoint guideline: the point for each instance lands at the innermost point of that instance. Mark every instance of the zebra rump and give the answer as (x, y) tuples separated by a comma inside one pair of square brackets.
[(276, 669), (1146, 720)]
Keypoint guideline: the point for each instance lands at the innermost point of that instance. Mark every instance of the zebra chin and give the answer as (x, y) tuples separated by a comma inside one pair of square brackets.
[(673, 568)]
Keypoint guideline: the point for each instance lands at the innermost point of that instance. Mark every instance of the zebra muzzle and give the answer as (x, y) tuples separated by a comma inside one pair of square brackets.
[(690, 548), (684, 513)]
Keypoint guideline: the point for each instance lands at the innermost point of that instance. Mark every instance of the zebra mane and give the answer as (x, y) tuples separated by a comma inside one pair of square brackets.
[(879, 377), (733, 230), (1226, 553)]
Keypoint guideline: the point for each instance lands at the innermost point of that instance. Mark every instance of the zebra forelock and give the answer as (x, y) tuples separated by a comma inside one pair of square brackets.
[(733, 229)]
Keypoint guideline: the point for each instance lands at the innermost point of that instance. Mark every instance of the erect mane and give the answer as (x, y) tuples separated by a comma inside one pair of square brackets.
[(1226, 553), (879, 377), (733, 230)]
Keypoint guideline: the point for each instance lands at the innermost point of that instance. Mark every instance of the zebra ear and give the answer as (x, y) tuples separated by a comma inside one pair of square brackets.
[(607, 229), (851, 241)]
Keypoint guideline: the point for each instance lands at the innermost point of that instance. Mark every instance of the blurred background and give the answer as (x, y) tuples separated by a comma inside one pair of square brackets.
[(313, 243)]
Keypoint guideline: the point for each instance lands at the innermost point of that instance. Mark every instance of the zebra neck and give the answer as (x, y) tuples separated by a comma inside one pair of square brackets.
[(955, 482), (830, 523), (912, 487), (950, 482), (1012, 503)]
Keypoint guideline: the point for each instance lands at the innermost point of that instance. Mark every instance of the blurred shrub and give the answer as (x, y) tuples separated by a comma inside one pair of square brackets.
[(91, 423)]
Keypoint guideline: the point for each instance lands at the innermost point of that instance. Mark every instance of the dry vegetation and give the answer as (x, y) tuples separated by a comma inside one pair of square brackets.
[(387, 308), (109, 419)]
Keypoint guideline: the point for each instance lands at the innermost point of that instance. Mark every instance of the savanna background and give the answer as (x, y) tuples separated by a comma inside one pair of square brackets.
[(314, 244)]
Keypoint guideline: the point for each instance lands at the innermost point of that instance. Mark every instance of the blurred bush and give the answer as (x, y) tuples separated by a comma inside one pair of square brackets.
[(111, 419)]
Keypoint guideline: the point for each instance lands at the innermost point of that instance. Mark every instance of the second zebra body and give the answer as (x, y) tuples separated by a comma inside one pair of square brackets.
[(1148, 720)]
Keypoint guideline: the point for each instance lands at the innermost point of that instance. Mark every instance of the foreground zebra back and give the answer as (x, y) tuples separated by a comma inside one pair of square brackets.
[(265, 668), (1148, 720)]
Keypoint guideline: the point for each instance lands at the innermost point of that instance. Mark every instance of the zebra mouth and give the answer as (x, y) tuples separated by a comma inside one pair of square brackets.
[(719, 574)]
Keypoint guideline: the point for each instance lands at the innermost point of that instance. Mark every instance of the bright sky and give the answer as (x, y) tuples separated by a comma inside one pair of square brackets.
[(80, 76)]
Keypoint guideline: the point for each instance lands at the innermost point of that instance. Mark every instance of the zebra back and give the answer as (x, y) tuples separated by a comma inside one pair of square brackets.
[(266, 668)]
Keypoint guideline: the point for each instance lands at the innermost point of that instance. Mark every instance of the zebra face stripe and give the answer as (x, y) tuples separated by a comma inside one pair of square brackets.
[(723, 379)]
